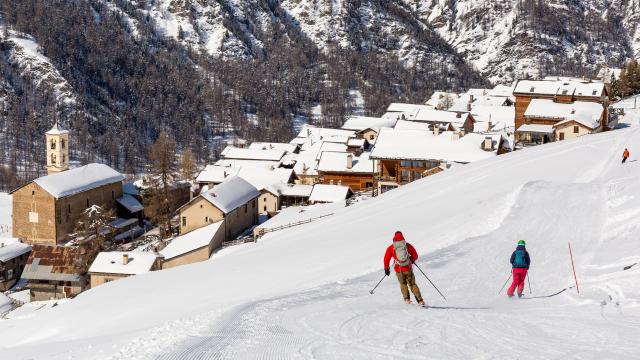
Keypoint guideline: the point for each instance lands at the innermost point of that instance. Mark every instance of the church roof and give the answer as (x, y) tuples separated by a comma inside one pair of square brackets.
[(77, 180), (57, 130)]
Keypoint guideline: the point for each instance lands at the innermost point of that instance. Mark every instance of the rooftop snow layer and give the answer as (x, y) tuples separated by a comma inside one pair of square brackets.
[(11, 248), (77, 180), (337, 162), (111, 262), (359, 123), (586, 113), (422, 145), (252, 154), (329, 193), (440, 116), (560, 87), (191, 241), (536, 128), (231, 194), (216, 174), (296, 190), (130, 203), (286, 147), (57, 130)]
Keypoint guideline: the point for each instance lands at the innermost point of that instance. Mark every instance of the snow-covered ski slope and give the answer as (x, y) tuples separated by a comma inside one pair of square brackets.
[(303, 293)]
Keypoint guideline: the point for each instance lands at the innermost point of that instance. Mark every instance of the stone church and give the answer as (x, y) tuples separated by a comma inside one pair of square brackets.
[(46, 210)]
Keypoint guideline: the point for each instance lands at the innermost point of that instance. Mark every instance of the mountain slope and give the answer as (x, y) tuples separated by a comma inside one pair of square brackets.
[(465, 223)]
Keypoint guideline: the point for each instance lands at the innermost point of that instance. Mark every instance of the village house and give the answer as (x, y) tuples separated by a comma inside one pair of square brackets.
[(403, 111), (563, 91), (367, 128), (46, 210), (56, 272), (294, 195), (13, 258), (235, 202), (114, 265), (547, 120), (270, 183), (449, 120), (194, 246), (213, 175), (342, 168), (408, 155), (324, 193)]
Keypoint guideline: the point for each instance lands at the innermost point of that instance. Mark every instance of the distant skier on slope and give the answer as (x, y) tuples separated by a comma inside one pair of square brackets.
[(403, 254), (520, 262), (625, 155)]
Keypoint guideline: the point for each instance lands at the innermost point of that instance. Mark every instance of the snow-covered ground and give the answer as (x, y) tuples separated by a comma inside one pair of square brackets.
[(5, 215), (304, 294)]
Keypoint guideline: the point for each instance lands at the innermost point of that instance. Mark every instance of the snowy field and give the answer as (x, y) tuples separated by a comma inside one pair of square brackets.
[(5, 215), (304, 293)]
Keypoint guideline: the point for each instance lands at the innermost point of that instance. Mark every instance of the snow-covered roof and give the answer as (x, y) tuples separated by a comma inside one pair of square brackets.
[(337, 162), (231, 194), (438, 96), (329, 193), (286, 147), (411, 125), (236, 163), (266, 179), (121, 223), (231, 152), (317, 134), (130, 188), (440, 116), (191, 241), (331, 146), (424, 145), (57, 130), (501, 117), (356, 142), (560, 87), (11, 248), (501, 90), (587, 113), (77, 180), (216, 174), (536, 128), (359, 123), (111, 262), (296, 190), (406, 108), (297, 214), (130, 203)]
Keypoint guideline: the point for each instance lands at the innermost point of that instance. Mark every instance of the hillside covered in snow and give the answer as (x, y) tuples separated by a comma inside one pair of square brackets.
[(304, 292)]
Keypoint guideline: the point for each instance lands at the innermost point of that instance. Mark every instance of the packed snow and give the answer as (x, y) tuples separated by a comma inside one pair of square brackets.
[(305, 293)]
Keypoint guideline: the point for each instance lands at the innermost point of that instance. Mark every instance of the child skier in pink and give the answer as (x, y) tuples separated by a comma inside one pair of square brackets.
[(520, 262)]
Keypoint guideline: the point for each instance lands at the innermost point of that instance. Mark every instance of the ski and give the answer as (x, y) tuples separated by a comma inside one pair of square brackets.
[(545, 296), (454, 307)]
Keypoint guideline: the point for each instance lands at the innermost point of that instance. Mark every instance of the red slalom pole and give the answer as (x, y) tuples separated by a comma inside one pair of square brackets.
[(574, 269)]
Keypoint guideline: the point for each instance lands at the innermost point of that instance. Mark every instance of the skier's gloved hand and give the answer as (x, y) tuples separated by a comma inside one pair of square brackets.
[(387, 272)]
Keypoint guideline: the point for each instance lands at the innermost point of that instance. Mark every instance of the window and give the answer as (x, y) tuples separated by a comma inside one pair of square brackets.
[(253, 204), (405, 163), (10, 274), (265, 208), (206, 219), (372, 137), (417, 175), (246, 206), (53, 159), (576, 130), (69, 208), (184, 221), (53, 144), (64, 158), (200, 206), (61, 143), (405, 175), (561, 136), (33, 193), (113, 194), (418, 164), (87, 202)]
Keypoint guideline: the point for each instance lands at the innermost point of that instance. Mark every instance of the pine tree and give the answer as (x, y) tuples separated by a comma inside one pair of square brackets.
[(187, 165), (162, 174)]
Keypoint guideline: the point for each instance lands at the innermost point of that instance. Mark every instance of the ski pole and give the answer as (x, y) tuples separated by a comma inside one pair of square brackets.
[(529, 282), (378, 284), (505, 283), (431, 282), (574, 269)]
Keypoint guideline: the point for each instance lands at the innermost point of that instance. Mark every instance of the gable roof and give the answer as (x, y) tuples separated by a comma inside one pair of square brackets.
[(130, 203), (231, 194), (216, 174), (329, 193), (560, 87), (235, 153), (337, 162), (587, 113), (11, 248), (191, 241), (57, 263), (286, 147), (57, 130), (424, 145), (77, 180), (359, 123), (111, 262)]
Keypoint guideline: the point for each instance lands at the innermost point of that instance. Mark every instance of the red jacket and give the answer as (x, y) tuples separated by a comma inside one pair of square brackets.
[(390, 253)]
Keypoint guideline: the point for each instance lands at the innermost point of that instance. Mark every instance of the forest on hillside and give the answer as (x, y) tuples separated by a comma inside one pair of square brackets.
[(130, 87)]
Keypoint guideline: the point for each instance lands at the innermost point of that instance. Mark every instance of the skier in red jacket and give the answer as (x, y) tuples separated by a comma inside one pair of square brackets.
[(403, 254)]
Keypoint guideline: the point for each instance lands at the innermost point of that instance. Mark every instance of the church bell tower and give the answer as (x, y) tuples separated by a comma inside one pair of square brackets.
[(57, 149)]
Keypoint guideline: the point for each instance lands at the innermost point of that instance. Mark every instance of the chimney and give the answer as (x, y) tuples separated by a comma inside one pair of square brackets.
[(468, 107), (125, 259), (471, 98), (458, 115), (1, 245), (225, 174), (487, 144), (349, 161), (489, 124), (436, 129)]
